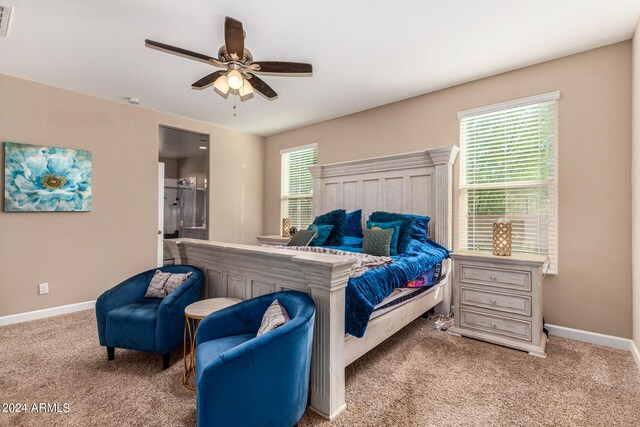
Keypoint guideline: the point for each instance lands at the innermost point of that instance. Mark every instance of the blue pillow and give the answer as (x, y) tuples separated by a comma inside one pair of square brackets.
[(352, 241), (413, 227), (322, 234), (419, 227), (353, 225), (336, 218), (395, 225)]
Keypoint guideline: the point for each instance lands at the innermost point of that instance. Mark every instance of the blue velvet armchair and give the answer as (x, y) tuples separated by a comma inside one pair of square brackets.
[(244, 380), (128, 320)]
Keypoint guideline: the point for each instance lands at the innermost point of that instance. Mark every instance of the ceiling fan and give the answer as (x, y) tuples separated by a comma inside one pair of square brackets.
[(239, 68)]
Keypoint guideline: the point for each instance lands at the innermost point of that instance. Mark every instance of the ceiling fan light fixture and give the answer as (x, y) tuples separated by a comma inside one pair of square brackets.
[(221, 85), (234, 79), (246, 89), (237, 65)]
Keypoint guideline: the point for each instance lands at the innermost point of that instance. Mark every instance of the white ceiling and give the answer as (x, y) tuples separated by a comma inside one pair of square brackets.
[(364, 53)]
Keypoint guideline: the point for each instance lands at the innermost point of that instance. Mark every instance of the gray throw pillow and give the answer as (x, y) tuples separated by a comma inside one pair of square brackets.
[(175, 280), (302, 238), (274, 317), (377, 241), (156, 287)]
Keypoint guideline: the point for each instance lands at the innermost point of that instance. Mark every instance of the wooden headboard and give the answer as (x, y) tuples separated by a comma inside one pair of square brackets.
[(417, 183)]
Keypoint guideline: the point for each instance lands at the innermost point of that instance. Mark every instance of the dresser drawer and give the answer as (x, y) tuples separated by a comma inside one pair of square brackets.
[(498, 277), (494, 324), (518, 304)]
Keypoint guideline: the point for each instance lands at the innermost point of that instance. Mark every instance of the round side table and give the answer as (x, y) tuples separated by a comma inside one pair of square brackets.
[(193, 314)]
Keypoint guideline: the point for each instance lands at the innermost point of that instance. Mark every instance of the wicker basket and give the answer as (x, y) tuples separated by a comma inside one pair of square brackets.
[(502, 238), (286, 227)]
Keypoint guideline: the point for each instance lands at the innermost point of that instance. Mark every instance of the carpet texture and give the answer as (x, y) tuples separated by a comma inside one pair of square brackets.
[(419, 377)]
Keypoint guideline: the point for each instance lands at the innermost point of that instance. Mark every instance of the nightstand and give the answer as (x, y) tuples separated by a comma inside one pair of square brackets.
[(273, 240), (498, 299)]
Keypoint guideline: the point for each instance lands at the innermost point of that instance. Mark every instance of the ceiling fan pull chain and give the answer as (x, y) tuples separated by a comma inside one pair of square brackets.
[(235, 98)]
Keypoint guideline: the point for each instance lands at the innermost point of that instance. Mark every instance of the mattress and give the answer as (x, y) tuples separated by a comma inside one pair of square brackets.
[(405, 294)]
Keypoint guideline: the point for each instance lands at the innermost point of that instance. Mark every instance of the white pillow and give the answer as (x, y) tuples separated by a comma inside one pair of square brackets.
[(274, 317)]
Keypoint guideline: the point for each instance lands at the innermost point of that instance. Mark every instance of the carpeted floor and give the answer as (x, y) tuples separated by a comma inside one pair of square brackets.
[(419, 377)]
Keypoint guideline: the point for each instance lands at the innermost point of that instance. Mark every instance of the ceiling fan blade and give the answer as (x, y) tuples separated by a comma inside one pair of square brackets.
[(207, 80), (283, 67), (183, 52), (234, 37), (260, 86)]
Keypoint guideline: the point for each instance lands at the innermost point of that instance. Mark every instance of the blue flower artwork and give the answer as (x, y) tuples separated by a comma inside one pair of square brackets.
[(46, 179)]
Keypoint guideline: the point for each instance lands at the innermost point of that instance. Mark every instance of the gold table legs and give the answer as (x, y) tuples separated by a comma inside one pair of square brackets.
[(190, 329), (193, 314)]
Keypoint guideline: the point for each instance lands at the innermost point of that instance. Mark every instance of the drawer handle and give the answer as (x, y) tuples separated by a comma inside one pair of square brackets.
[(493, 324), (492, 300), (492, 277)]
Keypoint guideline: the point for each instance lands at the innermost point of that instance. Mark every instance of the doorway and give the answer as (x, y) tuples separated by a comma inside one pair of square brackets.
[(184, 158)]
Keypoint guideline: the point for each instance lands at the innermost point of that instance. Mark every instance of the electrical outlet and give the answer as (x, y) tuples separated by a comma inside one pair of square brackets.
[(43, 288)]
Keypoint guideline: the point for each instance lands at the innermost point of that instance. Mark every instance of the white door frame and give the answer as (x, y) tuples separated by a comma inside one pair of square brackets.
[(160, 260)]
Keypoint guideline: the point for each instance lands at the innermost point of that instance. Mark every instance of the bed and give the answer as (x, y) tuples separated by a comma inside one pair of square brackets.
[(415, 183)]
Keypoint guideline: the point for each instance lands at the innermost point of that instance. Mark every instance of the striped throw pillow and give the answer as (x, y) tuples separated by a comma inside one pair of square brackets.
[(274, 317), (302, 238)]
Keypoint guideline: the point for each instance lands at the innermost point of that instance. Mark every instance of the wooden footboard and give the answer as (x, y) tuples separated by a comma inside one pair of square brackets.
[(242, 271)]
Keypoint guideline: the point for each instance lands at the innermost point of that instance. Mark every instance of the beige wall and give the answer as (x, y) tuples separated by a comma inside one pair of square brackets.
[(170, 167), (194, 166), (593, 290), (82, 254), (635, 179)]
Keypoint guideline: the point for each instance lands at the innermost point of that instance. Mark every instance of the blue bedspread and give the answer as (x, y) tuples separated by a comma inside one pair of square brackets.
[(365, 292)]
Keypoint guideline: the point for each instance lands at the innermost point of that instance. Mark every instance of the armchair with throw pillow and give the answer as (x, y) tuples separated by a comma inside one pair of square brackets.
[(137, 316), (248, 380)]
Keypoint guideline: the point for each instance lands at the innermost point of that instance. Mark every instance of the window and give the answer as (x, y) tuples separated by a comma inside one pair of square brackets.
[(508, 171), (297, 185)]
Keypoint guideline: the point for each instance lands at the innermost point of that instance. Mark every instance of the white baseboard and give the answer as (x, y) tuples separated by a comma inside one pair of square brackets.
[(47, 312), (590, 337), (635, 353)]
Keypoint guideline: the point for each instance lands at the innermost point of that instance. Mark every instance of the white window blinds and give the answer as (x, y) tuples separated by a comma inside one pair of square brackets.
[(508, 171), (297, 185)]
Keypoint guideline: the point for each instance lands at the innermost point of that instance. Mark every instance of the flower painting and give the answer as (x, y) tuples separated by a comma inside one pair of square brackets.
[(46, 178)]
